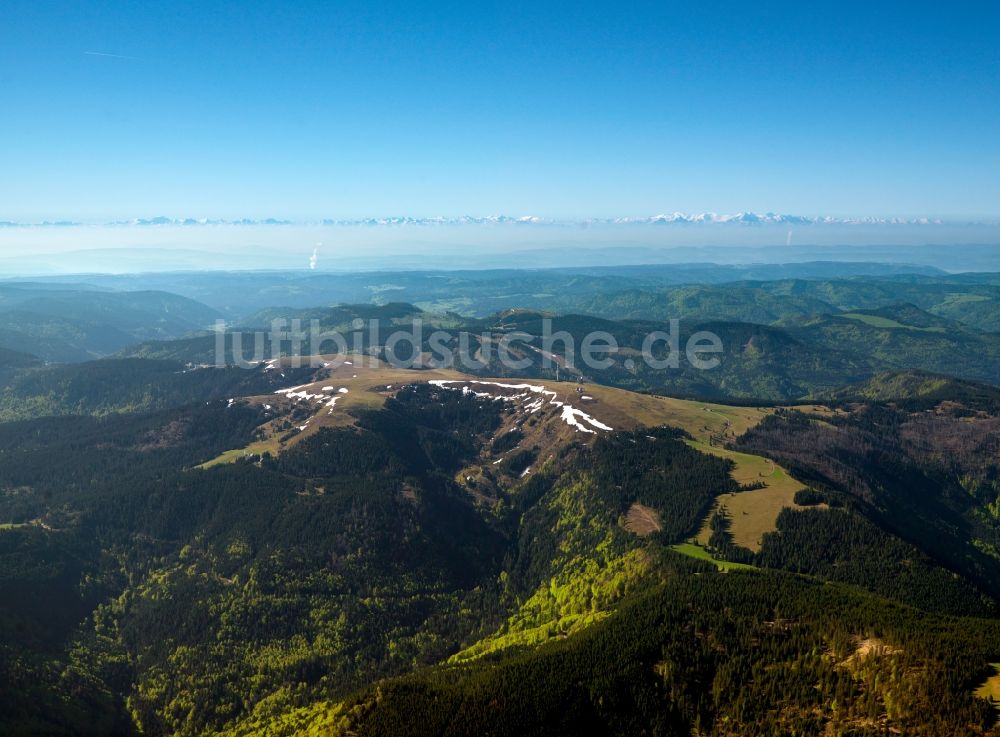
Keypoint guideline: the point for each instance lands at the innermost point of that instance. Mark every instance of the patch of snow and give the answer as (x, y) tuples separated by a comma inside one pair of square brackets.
[(303, 395), (534, 406), (293, 389), (572, 416)]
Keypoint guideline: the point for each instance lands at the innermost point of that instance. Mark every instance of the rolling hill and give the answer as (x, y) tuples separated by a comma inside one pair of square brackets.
[(906, 337), (67, 323)]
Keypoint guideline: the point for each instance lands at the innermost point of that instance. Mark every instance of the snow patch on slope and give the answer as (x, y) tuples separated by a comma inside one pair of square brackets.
[(575, 418)]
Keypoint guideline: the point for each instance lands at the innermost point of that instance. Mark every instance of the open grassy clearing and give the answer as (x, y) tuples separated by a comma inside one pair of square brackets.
[(703, 420), (884, 322), (752, 513), (696, 551), (231, 456), (819, 409), (990, 688)]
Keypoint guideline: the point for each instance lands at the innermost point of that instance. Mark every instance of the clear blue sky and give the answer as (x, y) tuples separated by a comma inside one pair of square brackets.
[(307, 110)]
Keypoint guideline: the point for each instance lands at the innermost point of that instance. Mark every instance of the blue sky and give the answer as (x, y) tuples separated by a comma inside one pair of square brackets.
[(344, 110)]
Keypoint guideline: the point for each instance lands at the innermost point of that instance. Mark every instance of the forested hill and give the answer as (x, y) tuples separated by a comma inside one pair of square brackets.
[(920, 390), (381, 551), (12, 362), (123, 385), (79, 322)]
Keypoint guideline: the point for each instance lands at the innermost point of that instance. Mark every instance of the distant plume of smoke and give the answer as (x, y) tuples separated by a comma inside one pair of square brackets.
[(788, 240), (315, 257)]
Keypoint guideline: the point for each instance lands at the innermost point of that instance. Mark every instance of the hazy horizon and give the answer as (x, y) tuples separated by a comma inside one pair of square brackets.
[(45, 250)]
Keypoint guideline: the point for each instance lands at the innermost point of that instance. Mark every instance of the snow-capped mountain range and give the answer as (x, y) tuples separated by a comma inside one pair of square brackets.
[(676, 218), (771, 218)]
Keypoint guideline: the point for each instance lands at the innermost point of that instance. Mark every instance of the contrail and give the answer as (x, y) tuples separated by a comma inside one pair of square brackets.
[(110, 56)]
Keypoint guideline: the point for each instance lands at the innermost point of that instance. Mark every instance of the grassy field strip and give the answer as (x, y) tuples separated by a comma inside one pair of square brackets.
[(884, 322), (696, 551), (990, 688)]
